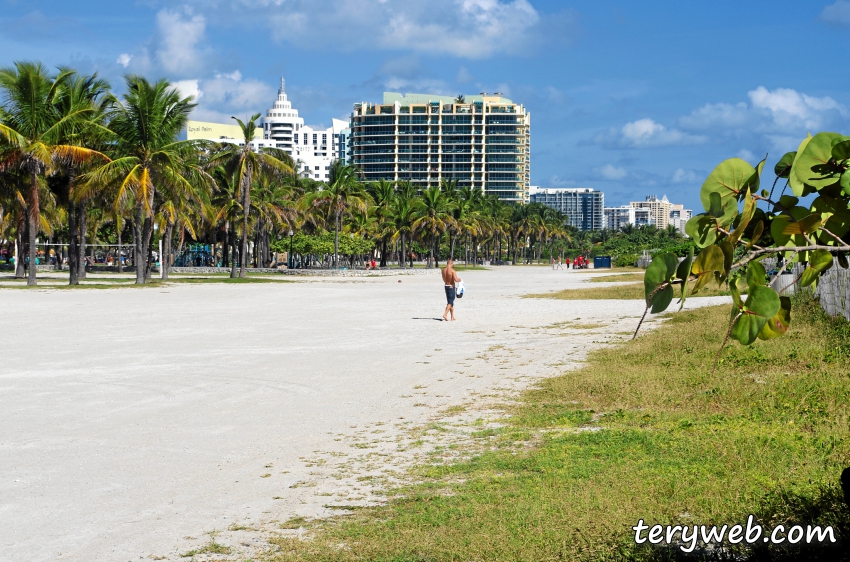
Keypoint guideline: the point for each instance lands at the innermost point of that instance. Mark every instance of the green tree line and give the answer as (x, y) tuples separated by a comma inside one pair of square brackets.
[(82, 165)]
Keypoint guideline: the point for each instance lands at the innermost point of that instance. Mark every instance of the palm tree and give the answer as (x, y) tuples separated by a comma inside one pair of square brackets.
[(383, 193), (245, 163), (460, 99), (148, 156), (81, 92), (432, 215), (32, 125), (342, 193), (399, 224)]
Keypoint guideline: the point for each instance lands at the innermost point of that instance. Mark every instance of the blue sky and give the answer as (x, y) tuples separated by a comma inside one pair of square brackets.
[(632, 98)]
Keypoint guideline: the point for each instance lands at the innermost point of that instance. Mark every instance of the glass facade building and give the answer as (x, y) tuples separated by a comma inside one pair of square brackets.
[(483, 142), (584, 206)]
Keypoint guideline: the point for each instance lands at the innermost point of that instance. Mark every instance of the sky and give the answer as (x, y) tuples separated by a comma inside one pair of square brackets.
[(632, 98)]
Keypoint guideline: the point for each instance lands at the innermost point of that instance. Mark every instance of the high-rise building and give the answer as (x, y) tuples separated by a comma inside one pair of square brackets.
[(679, 217), (617, 217), (312, 149), (584, 206), (659, 209), (481, 141)]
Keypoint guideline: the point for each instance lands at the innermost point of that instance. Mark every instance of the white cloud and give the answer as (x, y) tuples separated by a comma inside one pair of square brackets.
[(610, 172), (463, 76), (188, 88), (646, 133), (746, 155), (836, 14), (464, 28), (680, 175), (230, 92), (778, 113), (791, 108), (124, 59), (180, 32)]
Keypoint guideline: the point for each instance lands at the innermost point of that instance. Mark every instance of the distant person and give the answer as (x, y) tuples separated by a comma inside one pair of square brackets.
[(450, 280), (560, 266), (569, 263)]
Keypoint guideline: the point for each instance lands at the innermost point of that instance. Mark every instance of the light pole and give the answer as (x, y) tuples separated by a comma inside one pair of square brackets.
[(291, 234)]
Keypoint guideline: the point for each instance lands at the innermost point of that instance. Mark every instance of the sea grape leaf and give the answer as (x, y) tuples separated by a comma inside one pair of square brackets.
[(728, 254), (814, 165), (752, 183), (781, 221), (779, 324), (819, 261), (838, 224), (708, 261), (757, 232), (756, 274), (761, 305), (702, 229), (715, 205), (661, 270), (841, 150), (797, 186), (788, 202), (736, 294), (729, 179), (783, 167), (683, 273), (745, 218), (845, 182), (842, 261), (805, 225)]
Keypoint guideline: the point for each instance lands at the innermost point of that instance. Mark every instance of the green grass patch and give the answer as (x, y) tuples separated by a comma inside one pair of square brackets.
[(619, 278), (631, 291), (211, 548), (646, 430)]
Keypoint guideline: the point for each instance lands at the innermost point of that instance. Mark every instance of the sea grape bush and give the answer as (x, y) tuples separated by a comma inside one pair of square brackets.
[(743, 225)]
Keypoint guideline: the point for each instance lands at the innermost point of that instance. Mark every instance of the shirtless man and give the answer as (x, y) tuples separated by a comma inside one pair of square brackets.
[(450, 279)]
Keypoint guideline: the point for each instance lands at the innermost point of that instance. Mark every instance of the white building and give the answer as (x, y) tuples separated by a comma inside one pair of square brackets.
[(583, 205), (617, 217), (312, 149), (679, 217)]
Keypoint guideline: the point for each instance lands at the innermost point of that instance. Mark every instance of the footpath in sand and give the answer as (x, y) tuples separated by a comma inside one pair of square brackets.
[(135, 422)]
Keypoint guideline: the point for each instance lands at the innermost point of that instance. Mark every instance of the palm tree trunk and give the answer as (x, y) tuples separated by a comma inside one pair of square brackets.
[(118, 255), (139, 245), (73, 243), (33, 226), (20, 271), (336, 240), (474, 251), (165, 258), (383, 252), (225, 251), (246, 211), (147, 237), (402, 258), (81, 247), (451, 246), (233, 257)]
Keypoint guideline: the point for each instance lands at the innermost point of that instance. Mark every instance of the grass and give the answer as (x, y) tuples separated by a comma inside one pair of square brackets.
[(619, 278), (645, 430), (211, 548), (631, 291)]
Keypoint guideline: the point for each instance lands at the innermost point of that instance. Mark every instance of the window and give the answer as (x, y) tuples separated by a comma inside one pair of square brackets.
[(327, 167), (317, 167), (315, 138)]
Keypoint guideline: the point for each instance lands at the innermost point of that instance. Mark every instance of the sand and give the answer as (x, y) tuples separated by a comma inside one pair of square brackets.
[(136, 421)]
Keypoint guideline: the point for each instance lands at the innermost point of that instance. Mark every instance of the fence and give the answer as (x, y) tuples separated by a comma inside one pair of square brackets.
[(833, 289), (834, 292)]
